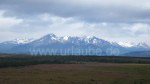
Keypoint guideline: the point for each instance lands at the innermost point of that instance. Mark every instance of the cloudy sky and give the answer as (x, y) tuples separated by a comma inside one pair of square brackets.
[(114, 20)]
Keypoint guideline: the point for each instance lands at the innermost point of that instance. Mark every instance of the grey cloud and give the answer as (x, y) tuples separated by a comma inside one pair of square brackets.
[(86, 10), (103, 18)]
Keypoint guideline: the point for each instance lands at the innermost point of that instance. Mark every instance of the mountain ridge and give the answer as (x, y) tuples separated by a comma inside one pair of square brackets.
[(51, 41)]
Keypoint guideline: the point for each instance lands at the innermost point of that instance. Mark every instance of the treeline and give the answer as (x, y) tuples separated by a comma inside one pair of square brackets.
[(25, 60)]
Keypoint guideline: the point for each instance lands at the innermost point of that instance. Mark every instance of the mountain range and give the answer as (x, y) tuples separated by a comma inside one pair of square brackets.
[(87, 45)]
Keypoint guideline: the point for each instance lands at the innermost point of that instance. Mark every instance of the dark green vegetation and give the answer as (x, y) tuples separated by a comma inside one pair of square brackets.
[(25, 60), (73, 70)]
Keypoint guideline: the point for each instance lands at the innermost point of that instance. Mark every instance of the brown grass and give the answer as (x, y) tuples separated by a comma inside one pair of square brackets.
[(85, 73)]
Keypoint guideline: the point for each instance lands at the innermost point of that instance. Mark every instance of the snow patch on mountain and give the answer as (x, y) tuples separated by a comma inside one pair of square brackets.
[(19, 41), (126, 44), (66, 37), (134, 45), (52, 38)]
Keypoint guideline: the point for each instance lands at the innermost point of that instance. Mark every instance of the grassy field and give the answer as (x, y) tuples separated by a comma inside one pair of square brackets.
[(74, 70), (85, 73)]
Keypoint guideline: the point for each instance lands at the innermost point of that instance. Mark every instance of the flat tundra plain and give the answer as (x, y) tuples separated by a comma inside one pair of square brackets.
[(79, 73)]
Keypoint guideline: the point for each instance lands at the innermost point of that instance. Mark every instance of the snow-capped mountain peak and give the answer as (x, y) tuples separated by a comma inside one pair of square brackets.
[(134, 45), (142, 45), (90, 37), (19, 41), (67, 42), (126, 44), (48, 37), (92, 40), (23, 41), (66, 37)]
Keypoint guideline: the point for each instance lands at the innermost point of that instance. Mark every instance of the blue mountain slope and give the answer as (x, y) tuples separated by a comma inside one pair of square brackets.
[(69, 45)]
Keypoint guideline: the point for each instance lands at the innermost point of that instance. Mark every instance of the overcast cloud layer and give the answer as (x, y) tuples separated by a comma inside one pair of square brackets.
[(114, 20)]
